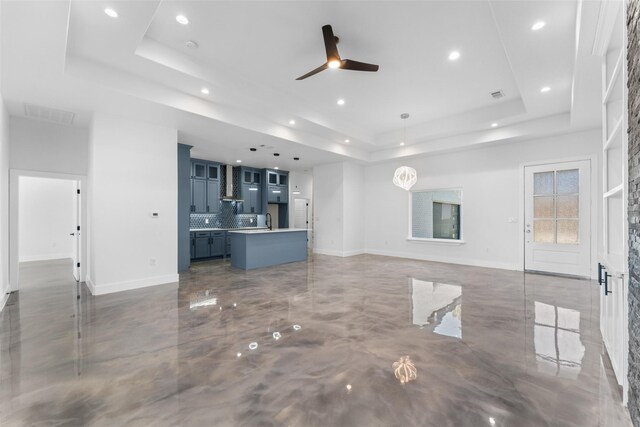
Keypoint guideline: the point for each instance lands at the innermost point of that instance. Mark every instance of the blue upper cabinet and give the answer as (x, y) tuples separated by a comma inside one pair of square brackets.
[(250, 190), (205, 186), (277, 186)]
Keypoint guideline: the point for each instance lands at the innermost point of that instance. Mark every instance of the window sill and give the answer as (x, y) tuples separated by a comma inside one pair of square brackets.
[(447, 241)]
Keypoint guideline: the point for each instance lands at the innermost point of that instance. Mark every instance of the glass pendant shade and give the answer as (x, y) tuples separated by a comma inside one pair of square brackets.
[(405, 177)]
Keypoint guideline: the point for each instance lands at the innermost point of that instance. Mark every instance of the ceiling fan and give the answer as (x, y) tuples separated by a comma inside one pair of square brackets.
[(333, 58)]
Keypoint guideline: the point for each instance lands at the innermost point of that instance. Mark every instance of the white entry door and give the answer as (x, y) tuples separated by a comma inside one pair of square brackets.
[(301, 217), (557, 218)]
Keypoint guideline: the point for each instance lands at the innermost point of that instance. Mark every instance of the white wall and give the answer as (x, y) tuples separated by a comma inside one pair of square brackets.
[(490, 180), (338, 214), (328, 209), (132, 173), (48, 147), (4, 197), (353, 193), (47, 212)]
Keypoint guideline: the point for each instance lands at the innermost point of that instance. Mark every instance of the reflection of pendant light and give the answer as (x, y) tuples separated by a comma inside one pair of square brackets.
[(404, 177), (405, 370)]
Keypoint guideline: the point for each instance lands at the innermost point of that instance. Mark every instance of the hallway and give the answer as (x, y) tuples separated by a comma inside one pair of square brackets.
[(308, 344)]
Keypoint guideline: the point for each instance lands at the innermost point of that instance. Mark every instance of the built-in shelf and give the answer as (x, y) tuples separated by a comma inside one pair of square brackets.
[(614, 133), (615, 190), (614, 76)]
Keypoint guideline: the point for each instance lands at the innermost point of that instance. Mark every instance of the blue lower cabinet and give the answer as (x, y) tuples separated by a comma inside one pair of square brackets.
[(218, 244), (207, 244), (202, 245)]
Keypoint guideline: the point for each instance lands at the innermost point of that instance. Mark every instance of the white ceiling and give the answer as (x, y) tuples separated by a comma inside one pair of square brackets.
[(70, 55)]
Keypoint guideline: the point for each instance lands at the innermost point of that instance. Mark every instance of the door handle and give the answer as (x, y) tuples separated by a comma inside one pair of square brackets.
[(606, 284)]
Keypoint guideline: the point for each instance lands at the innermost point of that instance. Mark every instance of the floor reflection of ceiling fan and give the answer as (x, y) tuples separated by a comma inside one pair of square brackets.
[(333, 57)]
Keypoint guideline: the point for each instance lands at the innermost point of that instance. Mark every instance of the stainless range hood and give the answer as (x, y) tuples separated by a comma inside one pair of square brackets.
[(228, 190)]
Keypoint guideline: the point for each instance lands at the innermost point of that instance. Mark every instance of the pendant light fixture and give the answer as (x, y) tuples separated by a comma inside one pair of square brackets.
[(405, 176)]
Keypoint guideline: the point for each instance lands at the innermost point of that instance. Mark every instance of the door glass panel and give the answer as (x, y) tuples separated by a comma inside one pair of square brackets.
[(543, 231), (543, 207), (567, 181), (567, 207), (568, 231), (213, 172), (543, 183), (199, 171)]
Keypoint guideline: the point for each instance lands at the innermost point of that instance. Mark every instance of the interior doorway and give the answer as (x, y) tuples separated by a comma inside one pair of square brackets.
[(557, 213), (47, 222)]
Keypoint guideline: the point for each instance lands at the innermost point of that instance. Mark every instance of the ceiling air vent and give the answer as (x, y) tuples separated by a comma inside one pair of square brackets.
[(497, 95), (48, 114)]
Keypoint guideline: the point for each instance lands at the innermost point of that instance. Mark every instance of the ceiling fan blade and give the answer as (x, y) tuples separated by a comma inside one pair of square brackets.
[(330, 43), (348, 64), (311, 73)]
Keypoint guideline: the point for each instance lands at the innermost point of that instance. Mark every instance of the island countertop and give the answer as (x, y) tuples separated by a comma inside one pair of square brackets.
[(267, 231)]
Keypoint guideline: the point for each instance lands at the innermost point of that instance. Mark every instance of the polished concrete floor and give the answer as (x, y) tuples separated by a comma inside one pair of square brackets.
[(308, 344)]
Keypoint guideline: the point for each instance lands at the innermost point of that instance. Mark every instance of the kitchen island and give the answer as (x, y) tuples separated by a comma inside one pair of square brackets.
[(262, 248)]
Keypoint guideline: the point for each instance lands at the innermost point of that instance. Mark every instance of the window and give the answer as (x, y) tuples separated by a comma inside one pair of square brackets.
[(436, 215), (555, 207)]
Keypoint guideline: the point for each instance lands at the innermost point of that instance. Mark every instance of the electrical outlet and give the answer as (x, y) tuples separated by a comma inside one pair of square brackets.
[(152, 262)]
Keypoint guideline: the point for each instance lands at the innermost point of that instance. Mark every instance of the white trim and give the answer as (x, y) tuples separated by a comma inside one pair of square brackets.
[(45, 257), (427, 240), (132, 284), (447, 260), (604, 29)]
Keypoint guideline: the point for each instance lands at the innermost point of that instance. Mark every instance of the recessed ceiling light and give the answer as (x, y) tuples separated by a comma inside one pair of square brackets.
[(454, 55), (538, 25), (253, 149), (238, 161), (182, 19), (276, 168), (276, 154), (347, 141), (205, 91), (296, 158), (110, 12), (545, 89), (340, 101), (494, 125), (402, 144), (292, 122)]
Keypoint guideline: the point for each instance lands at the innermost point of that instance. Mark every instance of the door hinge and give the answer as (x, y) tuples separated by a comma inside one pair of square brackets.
[(78, 265), (78, 191), (78, 228)]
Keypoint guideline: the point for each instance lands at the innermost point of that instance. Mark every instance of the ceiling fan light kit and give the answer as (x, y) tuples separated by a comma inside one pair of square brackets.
[(333, 57)]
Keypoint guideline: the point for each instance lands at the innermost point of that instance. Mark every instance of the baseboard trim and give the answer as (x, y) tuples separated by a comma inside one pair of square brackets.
[(342, 254), (109, 288), (446, 260), (44, 257)]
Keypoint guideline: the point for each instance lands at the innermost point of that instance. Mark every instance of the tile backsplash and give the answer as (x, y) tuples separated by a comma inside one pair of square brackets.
[(226, 218)]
